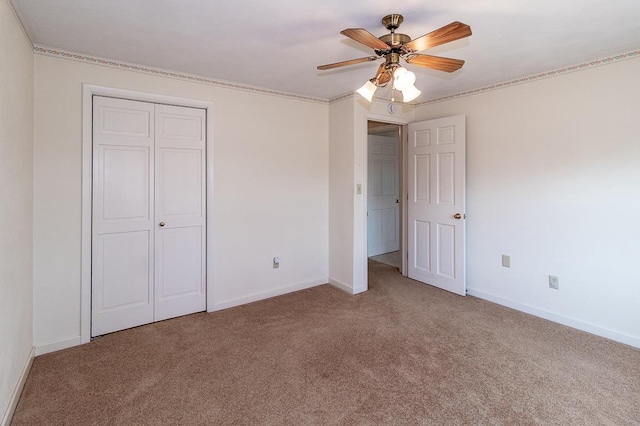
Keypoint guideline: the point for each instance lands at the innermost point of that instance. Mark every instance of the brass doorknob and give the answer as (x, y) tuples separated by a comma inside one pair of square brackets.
[(457, 216), (161, 224)]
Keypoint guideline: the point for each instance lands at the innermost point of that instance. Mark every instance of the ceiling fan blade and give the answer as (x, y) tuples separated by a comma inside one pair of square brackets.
[(435, 62), (365, 37), (453, 31), (345, 63)]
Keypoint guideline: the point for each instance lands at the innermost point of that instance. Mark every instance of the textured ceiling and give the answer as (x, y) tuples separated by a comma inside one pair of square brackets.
[(278, 44)]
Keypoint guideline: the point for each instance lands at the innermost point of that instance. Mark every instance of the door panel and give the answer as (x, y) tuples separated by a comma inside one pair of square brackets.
[(179, 269), (436, 153), (180, 182), (124, 179), (383, 217), (422, 248), (122, 252), (125, 273), (180, 206), (374, 228)]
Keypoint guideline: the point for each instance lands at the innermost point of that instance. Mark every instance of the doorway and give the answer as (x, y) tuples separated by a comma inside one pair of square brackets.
[(384, 181), (432, 206)]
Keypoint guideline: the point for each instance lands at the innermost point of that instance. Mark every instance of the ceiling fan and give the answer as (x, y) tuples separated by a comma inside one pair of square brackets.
[(394, 46)]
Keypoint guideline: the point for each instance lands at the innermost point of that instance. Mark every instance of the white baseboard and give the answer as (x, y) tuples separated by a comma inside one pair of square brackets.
[(341, 286), (15, 397), (359, 290), (347, 288), (58, 345), (570, 322), (225, 304)]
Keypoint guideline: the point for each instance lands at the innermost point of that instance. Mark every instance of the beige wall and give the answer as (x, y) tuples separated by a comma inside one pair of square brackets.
[(270, 185), (341, 193), (16, 203), (553, 180)]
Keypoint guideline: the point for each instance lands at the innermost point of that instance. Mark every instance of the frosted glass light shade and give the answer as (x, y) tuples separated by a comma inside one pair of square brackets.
[(403, 78), (410, 93), (367, 90)]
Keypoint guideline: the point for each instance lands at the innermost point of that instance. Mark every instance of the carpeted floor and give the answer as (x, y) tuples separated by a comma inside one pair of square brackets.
[(393, 259), (401, 353)]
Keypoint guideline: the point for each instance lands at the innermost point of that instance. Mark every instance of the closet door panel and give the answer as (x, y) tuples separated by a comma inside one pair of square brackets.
[(180, 211), (123, 194)]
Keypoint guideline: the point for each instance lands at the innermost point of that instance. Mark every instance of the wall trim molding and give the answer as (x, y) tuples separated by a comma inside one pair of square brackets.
[(342, 97), (535, 77), (230, 303), (161, 72), (58, 345), (560, 319), (17, 391), (342, 286), (386, 99)]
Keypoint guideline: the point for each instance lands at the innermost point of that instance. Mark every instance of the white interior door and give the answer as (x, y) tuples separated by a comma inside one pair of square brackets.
[(148, 247), (180, 211), (436, 205), (383, 193), (122, 245)]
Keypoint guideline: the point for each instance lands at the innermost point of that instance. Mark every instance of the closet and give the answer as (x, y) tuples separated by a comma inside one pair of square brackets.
[(148, 212)]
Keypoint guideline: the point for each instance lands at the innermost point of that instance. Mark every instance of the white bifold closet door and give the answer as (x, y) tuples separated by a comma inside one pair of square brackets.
[(148, 236)]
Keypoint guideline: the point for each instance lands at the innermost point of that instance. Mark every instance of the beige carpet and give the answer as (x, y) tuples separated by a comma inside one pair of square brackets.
[(401, 353)]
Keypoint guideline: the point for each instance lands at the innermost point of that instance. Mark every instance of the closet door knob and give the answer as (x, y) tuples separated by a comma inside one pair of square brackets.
[(161, 224)]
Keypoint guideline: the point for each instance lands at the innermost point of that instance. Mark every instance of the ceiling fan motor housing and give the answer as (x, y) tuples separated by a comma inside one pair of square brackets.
[(395, 39), (393, 21)]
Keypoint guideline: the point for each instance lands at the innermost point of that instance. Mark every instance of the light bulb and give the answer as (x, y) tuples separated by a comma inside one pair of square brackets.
[(367, 90), (403, 78), (410, 93)]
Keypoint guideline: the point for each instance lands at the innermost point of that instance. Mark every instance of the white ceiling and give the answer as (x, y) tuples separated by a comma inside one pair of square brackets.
[(277, 44)]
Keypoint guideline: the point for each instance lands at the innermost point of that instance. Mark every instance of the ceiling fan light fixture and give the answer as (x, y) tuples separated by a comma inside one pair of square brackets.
[(410, 93), (403, 78), (368, 89)]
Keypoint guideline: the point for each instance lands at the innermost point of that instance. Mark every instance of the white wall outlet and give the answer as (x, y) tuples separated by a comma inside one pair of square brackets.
[(506, 261), (553, 282), (359, 189), (276, 262)]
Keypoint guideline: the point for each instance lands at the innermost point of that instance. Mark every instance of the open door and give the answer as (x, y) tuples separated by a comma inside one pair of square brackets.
[(436, 203)]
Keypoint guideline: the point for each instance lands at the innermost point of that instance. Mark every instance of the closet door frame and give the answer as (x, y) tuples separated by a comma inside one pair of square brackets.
[(88, 92)]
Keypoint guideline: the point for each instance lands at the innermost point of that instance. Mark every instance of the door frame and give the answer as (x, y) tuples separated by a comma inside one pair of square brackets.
[(364, 269), (88, 91)]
